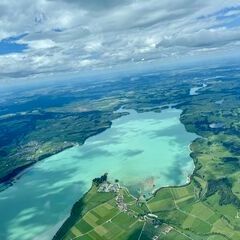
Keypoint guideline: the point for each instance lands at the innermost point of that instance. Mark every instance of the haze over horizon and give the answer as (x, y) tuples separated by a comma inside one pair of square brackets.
[(49, 38)]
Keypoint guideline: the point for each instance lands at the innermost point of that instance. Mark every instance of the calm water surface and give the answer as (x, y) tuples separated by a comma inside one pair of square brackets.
[(142, 150)]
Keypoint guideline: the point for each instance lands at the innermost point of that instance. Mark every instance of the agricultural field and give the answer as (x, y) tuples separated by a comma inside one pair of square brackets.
[(180, 214), (106, 220), (208, 207), (39, 125)]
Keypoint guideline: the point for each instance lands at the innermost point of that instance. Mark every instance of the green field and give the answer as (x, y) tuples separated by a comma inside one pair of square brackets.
[(105, 220), (207, 208)]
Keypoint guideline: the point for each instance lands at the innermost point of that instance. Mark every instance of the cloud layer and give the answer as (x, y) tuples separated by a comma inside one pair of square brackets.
[(72, 35)]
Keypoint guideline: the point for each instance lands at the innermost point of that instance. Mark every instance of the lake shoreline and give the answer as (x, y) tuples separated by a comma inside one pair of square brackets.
[(15, 174), (188, 180), (158, 131)]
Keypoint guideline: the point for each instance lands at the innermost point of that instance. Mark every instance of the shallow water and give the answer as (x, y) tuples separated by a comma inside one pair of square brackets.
[(140, 149)]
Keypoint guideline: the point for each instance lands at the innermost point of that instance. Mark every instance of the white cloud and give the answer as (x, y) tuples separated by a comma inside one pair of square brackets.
[(233, 12), (70, 35), (40, 44), (93, 46), (202, 38)]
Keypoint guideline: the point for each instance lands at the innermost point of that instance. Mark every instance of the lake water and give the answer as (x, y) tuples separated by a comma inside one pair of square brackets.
[(142, 150)]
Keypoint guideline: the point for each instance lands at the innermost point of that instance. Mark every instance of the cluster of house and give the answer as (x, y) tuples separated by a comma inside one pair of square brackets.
[(109, 187), (123, 207), (120, 203)]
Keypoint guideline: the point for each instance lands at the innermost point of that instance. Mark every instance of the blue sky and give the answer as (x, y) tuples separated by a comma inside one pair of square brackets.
[(10, 45), (228, 17), (48, 37)]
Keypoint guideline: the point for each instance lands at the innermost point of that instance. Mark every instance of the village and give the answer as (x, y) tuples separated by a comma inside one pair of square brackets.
[(148, 218)]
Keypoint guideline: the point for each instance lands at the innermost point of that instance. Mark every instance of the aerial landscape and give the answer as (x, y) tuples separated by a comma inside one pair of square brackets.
[(120, 120)]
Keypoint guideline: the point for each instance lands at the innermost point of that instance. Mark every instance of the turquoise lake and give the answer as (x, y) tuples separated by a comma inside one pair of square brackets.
[(144, 151)]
